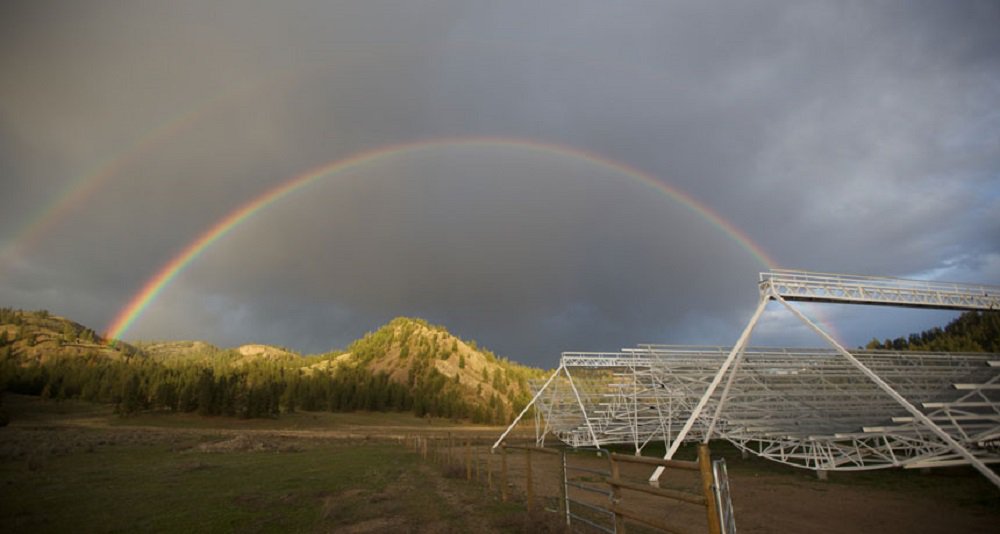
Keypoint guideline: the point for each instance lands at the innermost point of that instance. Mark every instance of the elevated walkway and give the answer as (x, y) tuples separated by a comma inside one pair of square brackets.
[(884, 291)]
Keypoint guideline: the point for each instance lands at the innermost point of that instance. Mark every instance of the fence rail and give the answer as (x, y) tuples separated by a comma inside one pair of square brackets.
[(588, 493)]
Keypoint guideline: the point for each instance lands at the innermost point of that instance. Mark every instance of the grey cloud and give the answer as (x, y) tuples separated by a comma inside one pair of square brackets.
[(855, 137)]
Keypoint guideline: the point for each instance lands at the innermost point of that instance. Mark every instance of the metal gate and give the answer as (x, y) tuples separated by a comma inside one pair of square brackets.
[(723, 501), (587, 495), (594, 495)]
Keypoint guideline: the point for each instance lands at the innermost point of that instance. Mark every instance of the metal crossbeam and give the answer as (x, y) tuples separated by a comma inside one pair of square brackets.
[(842, 288)]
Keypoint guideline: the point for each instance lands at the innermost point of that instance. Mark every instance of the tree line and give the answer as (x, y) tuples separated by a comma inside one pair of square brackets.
[(257, 389), (972, 331)]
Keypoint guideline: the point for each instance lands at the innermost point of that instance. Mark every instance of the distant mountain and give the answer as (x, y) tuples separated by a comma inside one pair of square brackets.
[(407, 365)]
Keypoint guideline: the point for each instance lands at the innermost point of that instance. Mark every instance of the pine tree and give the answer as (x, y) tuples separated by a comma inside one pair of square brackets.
[(206, 383), (68, 333)]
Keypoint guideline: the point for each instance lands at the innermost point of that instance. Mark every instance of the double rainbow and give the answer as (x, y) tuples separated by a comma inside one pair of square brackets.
[(156, 284)]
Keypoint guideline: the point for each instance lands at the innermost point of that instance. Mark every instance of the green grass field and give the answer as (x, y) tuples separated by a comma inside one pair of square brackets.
[(72, 467), (156, 488)]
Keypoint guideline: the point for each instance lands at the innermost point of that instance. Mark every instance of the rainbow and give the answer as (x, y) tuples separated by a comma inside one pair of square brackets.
[(155, 285), (84, 186), (81, 188)]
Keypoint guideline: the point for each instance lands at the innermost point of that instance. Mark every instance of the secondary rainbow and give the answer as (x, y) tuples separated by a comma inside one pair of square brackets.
[(155, 285), (84, 186)]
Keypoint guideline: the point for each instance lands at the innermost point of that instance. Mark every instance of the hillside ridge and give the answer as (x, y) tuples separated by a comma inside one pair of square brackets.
[(406, 365)]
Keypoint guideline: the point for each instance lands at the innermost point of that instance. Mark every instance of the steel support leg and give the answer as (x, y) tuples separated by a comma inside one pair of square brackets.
[(737, 349), (525, 410), (583, 410)]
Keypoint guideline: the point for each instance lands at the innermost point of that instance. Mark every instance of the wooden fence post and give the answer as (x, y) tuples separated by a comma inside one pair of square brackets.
[(563, 489), (705, 466), (503, 472), (489, 471), (468, 460), (475, 452), (616, 497), (531, 493)]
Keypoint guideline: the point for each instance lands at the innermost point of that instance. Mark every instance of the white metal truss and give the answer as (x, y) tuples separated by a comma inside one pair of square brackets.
[(805, 407), (822, 409), (843, 288)]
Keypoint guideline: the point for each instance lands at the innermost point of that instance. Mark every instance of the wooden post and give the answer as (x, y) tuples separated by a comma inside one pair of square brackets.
[(468, 460), (705, 466), (475, 461), (616, 497), (423, 448), (527, 470), (563, 490), (489, 471), (503, 472)]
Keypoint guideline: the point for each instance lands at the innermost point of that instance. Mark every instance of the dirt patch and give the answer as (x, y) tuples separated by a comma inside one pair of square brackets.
[(378, 524), (248, 443), (333, 504), (195, 466), (18, 443), (465, 503)]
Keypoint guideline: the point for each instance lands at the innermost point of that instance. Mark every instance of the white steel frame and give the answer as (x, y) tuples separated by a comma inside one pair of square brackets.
[(821, 409)]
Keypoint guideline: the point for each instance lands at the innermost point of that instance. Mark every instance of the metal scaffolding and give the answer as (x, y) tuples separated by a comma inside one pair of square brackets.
[(822, 409)]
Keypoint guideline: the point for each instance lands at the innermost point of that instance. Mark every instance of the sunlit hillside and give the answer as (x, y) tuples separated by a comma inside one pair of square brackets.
[(407, 365)]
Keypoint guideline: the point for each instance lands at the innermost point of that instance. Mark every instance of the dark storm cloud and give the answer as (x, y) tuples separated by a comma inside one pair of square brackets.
[(852, 137)]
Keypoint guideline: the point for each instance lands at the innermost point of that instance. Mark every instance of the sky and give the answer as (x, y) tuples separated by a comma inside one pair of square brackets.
[(536, 176)]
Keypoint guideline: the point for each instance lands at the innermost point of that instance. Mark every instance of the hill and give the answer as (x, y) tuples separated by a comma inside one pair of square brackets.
[(166, 350), (41, 337), (407, 365), (419, 355), (970, 332)]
